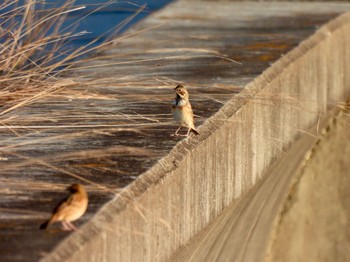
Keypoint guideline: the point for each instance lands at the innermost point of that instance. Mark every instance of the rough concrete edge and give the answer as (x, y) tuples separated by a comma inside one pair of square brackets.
[(167, 164)]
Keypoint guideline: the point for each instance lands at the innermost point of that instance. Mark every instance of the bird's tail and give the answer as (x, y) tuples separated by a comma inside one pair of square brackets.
[(47, 223), (194, 131)]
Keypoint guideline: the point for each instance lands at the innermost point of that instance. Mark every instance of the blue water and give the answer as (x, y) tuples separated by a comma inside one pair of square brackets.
[(98, 19), (100, 22)]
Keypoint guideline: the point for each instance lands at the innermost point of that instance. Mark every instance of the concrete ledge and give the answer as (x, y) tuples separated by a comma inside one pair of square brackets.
[(176, 199)]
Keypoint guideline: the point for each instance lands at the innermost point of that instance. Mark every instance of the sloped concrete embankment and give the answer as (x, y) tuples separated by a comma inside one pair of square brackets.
[(314, 224), (171, 203)]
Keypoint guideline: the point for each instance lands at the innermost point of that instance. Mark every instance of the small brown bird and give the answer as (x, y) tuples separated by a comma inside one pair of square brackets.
[(70, 209), (182, 110)]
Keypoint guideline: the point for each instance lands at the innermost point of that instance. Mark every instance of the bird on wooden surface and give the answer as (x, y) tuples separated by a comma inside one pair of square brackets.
[(182, 110), (70, 209)]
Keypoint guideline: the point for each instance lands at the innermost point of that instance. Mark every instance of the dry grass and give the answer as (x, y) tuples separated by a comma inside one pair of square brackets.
[(33, 43), (34, 50), (33, 58)]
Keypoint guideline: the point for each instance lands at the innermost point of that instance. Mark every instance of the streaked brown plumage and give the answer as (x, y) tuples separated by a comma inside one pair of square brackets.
[(70, 209), (182, 110)]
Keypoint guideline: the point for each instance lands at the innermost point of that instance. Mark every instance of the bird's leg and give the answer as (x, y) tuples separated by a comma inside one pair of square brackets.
[(187, 134), (65, 225), (176, 133), (72, 226)]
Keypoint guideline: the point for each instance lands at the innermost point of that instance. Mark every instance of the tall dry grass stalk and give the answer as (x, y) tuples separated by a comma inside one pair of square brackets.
[(33, 41), (33, 51), (33, 56)]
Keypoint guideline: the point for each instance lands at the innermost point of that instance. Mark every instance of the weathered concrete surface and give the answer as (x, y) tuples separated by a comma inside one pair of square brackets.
[(242, 231), (105, 133), (314, 224), (179, 196)]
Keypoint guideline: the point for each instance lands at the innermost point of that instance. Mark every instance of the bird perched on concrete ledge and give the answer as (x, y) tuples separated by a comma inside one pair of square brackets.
[(70, 209), (182, 111)]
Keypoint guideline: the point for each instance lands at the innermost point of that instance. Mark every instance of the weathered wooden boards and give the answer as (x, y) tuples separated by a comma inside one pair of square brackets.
[(116, 124)]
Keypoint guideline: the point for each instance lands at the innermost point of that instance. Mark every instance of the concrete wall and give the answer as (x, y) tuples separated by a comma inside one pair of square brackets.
[(200, 177)]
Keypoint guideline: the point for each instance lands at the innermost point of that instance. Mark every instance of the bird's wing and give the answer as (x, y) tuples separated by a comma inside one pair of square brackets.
[(68, 202), (188, 109)]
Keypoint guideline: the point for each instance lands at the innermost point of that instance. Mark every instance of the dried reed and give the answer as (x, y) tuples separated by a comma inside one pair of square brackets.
[(33, 57), (34, 50)]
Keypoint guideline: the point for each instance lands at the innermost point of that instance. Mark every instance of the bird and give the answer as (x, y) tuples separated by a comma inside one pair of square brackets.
[(69, 209), (182, 111)]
